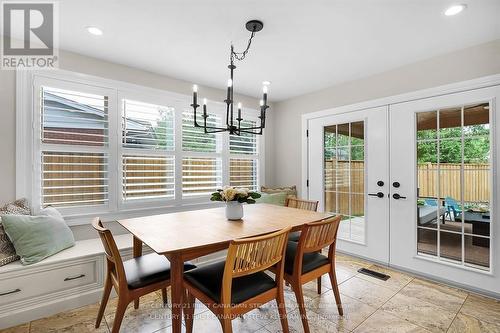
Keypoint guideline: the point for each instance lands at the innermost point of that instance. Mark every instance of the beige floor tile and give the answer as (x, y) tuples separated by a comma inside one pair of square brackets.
[(24, 328), (355, 311), (151, 316), (467, 324), (207, 322), (366, 291), (317, 324), (383, 322), (483, 308), (422, 313), (85, 327), (396, 281), (438, 294), (145, 300), (65, 319)]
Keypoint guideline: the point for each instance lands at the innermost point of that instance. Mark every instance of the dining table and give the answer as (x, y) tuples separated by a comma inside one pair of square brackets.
[(186, 235)]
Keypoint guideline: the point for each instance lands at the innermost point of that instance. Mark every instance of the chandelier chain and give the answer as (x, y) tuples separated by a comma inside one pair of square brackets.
[(241, 55)]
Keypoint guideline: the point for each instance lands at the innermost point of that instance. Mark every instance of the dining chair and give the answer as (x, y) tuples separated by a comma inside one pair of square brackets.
[(303, 262), (239, 284), (131, 278), (300, 204)]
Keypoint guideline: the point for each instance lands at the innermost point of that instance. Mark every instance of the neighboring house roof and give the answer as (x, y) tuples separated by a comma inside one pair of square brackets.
[(61, 112)]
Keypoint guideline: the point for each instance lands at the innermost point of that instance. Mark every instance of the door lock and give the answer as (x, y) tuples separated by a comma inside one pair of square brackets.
[(397, 196), (378, 194), (396, 184), (380, 183)]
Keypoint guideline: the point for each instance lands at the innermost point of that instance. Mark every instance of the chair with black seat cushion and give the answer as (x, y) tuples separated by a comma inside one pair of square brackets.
[(239, 284), (304, 262), (300, 204), (131, 278)]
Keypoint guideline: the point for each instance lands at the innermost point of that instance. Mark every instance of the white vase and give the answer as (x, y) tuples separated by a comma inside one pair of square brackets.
[(234, 210)]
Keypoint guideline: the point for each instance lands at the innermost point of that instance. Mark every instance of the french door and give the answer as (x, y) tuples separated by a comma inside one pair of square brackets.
[(349, 175), (414, 183), (443, 194)]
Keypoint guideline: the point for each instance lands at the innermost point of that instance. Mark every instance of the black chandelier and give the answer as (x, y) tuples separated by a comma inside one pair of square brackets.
[(233, 126)]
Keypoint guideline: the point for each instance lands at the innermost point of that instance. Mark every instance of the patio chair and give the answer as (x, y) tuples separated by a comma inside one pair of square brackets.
[(452, 207)]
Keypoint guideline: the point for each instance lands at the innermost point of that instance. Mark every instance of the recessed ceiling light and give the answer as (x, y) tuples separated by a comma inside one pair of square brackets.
[(454, 10), (266, 83), (94, 31)]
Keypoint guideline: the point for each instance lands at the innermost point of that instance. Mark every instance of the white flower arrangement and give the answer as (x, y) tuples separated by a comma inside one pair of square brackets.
[(230, 193)]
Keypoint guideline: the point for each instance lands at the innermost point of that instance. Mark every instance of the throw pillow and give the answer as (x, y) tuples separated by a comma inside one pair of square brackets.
[(273, 198), (37, 237), (7, 251), (290, 190)]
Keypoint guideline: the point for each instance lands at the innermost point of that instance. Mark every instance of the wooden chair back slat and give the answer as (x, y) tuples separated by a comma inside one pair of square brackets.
[(251, 255), (318, 235), (302, 204)]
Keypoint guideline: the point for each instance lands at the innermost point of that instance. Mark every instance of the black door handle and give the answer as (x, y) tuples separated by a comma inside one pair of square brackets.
[(397, 196), (378, 194)]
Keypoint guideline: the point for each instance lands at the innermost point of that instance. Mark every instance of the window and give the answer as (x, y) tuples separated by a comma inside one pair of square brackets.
[(148, 143), (74, 128), (104, 147)]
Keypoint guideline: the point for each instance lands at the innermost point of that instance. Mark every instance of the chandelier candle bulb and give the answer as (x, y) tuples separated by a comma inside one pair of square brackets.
[(205, 108), (195, 94), (239, 112)]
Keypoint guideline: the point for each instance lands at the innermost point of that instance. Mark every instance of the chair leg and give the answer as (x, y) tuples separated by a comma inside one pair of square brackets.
[(120, 312), (319, 285), (227, 326), (299, 295), (189, 304), (282, 311), (164, 296), (104, 300), (336, 292), (136, 303)]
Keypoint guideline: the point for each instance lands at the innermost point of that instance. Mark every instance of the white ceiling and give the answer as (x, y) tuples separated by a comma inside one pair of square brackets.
[(305, 45)]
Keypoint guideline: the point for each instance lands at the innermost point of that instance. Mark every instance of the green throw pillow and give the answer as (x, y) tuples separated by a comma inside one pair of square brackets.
[(37, 237), (273, 198)]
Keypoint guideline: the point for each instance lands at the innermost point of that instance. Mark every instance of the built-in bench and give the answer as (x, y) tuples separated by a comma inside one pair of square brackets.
[(69, 279)]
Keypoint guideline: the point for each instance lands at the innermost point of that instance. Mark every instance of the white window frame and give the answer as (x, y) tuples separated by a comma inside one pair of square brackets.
[(28, 144)]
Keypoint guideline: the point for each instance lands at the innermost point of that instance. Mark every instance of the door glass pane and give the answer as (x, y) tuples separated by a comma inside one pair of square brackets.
[(427, 125), (450, 121), (477, 251), (344, 167), (427, 241), (453, 177), (450, 246)]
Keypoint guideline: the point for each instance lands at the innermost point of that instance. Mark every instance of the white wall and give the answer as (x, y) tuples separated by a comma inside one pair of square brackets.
[(474, 62)]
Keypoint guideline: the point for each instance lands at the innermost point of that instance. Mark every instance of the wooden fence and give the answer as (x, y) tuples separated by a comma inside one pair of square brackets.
[(339, 181)]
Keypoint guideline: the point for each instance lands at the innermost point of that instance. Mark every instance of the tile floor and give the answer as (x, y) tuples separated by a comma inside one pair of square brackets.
[(401, 304)]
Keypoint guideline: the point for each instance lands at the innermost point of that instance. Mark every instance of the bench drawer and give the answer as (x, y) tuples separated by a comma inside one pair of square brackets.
[(39, 282)]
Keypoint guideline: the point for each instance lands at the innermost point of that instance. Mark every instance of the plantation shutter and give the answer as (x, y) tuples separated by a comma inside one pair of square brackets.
[(243, 162), (148, 143), (74, 148), (201, 163)]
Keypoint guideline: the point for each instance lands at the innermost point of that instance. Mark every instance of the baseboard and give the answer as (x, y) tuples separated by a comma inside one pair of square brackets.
[(434, 278)]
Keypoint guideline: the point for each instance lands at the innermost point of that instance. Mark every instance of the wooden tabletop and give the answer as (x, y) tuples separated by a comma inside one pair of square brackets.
[(183, 231)]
